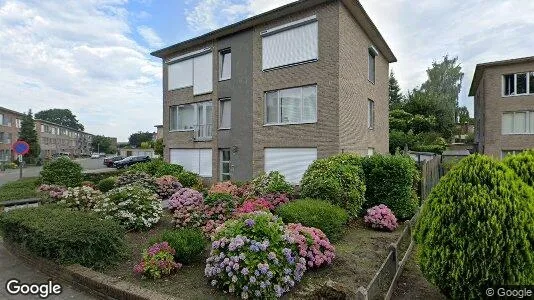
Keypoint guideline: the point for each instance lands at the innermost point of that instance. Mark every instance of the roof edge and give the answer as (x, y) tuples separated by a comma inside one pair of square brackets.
[(480, 68)]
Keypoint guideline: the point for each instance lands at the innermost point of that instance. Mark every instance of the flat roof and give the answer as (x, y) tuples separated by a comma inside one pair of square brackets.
[(11, 111), (354, 6), (480, 68), (63, 126)]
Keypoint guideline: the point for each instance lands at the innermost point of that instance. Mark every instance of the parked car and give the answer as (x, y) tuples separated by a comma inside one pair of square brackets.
[(108, 162), (95, 156), (129, 161)]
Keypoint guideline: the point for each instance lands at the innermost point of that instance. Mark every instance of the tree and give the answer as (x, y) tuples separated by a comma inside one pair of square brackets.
[(60, 116), (396, 99), (29, 135), (463, 115), (159, 147), (136, 139), (101, 144)]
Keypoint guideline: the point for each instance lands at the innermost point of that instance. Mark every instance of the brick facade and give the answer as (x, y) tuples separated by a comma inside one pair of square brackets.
[(9, 132)]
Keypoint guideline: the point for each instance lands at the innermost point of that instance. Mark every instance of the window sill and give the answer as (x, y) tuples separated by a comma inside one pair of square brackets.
[(221, 129), (517, 95), (224, 79), (291, 65), (203, 139), (518, 134), (284, 124), (372, 82), (177, 89), (185, 130)]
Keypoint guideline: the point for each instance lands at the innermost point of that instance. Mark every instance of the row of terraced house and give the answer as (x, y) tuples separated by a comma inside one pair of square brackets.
[(53, 138)]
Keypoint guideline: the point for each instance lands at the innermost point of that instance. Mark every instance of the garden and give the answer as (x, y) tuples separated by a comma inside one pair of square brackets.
[(160, 227)]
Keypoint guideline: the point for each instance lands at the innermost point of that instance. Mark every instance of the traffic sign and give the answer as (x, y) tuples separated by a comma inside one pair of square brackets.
[(21, 147), (20, 158)]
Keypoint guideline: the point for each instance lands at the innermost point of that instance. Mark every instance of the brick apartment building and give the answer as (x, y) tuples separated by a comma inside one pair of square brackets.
[(53, 138), (277, 91), (504, 106)]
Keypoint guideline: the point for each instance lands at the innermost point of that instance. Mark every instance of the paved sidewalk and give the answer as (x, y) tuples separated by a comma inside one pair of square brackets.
[(11, 267)]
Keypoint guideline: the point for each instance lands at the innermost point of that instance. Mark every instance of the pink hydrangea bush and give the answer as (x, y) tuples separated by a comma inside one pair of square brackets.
[(218, 208), (187, 206), (51, 191), (158, 261), (312, 244), (166, 186), (226, 187), (276, 199), (81, 198), (253, 205), (381, 217)]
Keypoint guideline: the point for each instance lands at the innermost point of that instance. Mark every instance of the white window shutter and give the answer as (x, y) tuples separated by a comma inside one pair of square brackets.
[(205, 166), (180, 75), (290, 162), (203, 74)]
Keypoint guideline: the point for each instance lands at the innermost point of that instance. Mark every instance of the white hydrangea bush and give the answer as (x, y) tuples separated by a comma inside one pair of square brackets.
[(81, 198), (134, 207)]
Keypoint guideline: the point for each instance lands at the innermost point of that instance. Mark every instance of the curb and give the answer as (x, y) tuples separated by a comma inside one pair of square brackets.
[(85, 279)]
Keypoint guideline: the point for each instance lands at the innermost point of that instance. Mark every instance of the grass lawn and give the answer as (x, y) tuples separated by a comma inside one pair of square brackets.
[(358, 256), (20, 189)]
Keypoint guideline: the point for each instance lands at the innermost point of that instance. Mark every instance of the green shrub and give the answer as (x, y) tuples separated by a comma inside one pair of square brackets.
[(476, 229), (390, 180), (20, 189), (523, 165), (138, 178), (107, 184), (62, 171), (337, 179), (271, 183), (97, 177), (189, 243), (331, 219), (158, 167), (68, 237), (189, 180)]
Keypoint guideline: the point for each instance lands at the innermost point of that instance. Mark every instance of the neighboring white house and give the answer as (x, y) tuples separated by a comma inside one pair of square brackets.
[(137, 152)]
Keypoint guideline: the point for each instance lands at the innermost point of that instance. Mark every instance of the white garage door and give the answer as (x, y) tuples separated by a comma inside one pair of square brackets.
[(194, 160), (291, 162)]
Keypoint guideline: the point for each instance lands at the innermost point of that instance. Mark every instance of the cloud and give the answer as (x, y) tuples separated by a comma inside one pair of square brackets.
[(150, 36), (79, 55)]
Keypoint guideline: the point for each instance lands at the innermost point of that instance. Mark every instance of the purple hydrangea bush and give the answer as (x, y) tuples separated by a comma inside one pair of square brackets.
[(187, 206), (312, 244), (158, 261), (253, 257), (166, 186), (381, 217)]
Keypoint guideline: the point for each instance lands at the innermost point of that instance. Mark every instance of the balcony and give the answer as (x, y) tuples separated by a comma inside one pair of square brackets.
[(203, 132)]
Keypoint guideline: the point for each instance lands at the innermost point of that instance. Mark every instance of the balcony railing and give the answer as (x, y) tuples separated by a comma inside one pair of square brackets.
[(203, 132)]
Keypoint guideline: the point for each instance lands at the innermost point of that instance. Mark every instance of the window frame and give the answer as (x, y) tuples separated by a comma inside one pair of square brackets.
[(371, 116), (279, 107), (529, 75), (196, 122), (222, 162), (528, 116), (372, 52), (221, 113), (190, 57), (222, 54)]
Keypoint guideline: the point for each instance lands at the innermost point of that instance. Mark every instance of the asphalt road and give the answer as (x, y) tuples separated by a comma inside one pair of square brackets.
[(87, 164)]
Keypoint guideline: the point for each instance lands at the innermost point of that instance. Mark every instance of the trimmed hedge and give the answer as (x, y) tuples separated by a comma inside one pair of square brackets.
[(67, 237), (338, 179), (20, 189), (62, 171), (331, 219), (390, 180), (158, 167), (97, 177), (476, 229), (523, 165), (107, 184), (189, 243)]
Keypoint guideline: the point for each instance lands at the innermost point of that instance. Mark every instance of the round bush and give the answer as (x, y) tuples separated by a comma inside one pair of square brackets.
[(189, 243), (158, 261), (476, 229), (331, 219), (381, 217), (166, 186), (51, 191), (523, 165), (218, 208), (133, 206), (271, 183), (226, 187), (62, 171), (312, 244), (107, 184), (81, 198), (187, 206), (252, 205), (337, 179), (189, 180), (138, 178), (252, 257), (390, 180)]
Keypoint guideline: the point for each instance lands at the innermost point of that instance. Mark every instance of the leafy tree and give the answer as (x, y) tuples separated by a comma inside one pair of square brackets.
[(101, 143), (396, 99), (29, 135), (146, 145), (136, 139), (159, 147), (60, 116), (463, 115), (400, 120)]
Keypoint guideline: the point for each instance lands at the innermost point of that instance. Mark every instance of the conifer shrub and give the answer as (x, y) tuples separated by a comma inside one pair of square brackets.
[(523, 165)]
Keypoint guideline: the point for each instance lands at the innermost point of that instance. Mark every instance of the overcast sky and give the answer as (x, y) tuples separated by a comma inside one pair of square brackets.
[(92, 56)]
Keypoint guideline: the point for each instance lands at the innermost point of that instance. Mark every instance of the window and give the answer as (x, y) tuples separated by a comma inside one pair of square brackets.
[(198, 161), (195, 117), (521, 122), (195, 72), (370, 151), (291, 106), (225, 114), (518, 84), (5, 120), (371, 114), (290, 44), (225, 164), (225, 64), (290, 162), (372, 64)]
